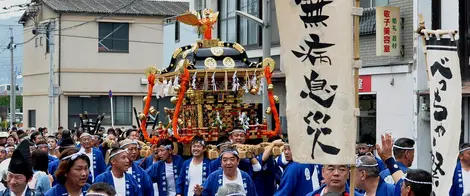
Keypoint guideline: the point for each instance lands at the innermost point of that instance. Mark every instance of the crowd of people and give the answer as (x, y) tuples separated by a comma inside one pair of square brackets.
[(110, 162)]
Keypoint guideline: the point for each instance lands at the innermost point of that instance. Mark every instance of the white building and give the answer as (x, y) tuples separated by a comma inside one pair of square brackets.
[(96, 50)]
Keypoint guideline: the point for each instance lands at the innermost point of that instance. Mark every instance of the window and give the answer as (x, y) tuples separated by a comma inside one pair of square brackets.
[(159, 105), (228, 20), (177, 31), (47, 41), (95, 106), (436, 14), (199, 4), (31, 118), (230, 23), (373, 3), (40, 41), (113, 37), (249, 31), (36, 42)]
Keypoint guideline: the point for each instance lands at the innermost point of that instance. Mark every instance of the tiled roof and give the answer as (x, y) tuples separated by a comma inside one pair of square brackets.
[(136, 7), (367, 22)]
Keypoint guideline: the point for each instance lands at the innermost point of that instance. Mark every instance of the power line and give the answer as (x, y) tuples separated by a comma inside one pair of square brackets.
[(94, 20), (113, 39)]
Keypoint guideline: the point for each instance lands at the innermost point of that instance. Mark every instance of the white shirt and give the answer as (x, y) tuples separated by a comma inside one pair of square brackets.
[(129, 171), (238, 180), (195, 176), (119, 185), (90, 156), (170, 179), (23, 194), (466, 182)]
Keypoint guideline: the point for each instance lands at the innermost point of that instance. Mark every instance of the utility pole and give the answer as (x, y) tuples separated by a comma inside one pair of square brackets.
[(266, 53), (51, 75), (11, 46), (265, 24)]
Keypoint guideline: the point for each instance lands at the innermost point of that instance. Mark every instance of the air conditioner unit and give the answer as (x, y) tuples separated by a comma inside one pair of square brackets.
[(144, 81)]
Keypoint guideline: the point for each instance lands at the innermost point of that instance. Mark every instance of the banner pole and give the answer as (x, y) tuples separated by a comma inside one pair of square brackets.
[(357, 57), (420, 28)]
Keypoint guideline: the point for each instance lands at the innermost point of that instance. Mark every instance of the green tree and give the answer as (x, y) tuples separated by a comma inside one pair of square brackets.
[(5, 101)]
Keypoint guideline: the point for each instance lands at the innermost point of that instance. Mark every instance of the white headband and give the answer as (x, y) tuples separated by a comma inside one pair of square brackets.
[(96, 194), (417, 182), (236, 194), (465, 149), (116, 153), (85, 135), (359, 163), (234, 152), (75, 155), (237, 130), (403, 148), (167, 147), (129, 143)]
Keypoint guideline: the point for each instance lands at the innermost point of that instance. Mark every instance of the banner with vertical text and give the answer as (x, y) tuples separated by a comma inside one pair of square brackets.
[(317, 52)]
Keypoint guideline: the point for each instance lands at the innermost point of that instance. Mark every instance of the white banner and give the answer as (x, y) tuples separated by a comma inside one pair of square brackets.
[(317, 51), (445, 89)]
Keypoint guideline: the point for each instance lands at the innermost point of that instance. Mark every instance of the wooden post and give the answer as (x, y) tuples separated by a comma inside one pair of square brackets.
[(357, 57), (422, 27)]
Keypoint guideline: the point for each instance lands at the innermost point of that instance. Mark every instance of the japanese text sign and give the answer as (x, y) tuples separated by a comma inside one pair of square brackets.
[(387, 29)]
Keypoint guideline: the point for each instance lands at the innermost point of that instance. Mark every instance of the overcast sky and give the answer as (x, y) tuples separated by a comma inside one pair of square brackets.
[(8, 3)]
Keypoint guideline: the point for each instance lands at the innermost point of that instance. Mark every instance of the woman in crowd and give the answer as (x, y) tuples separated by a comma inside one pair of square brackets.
[(41, 180), (11, 140), (72, 174)]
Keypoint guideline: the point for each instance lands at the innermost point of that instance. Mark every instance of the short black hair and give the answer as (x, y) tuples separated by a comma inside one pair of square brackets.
[(402, 142), (274, 138), (419, 175), (221, 140), (367, 139), (40, 161), (34, 135), (102, 187), (198, 139), (165, 142)]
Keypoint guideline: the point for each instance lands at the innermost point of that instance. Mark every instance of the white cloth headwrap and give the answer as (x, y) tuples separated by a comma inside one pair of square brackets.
[(75, 155), (465, 149), (96, 194), (116, 153), (403, 148), (416, 182), (129, 143)]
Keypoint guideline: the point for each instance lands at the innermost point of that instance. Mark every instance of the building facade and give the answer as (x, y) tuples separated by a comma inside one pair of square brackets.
[(97, 48)]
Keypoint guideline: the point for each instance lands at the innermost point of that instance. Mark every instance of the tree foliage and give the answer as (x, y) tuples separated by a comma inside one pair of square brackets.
[(5, 101)]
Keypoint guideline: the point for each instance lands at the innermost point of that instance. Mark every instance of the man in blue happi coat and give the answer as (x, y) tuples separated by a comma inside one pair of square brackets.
[(97, 164), (366, 146), (228, 174), (143, 179), (123, 183), (148, 161), (237, 137), (461, 181), (296, 178), (195, 170), (43, 146), (66, 144), (368, 179), (266, 179), (404, 152), (336, 177), (166, 171), (415, 182)]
